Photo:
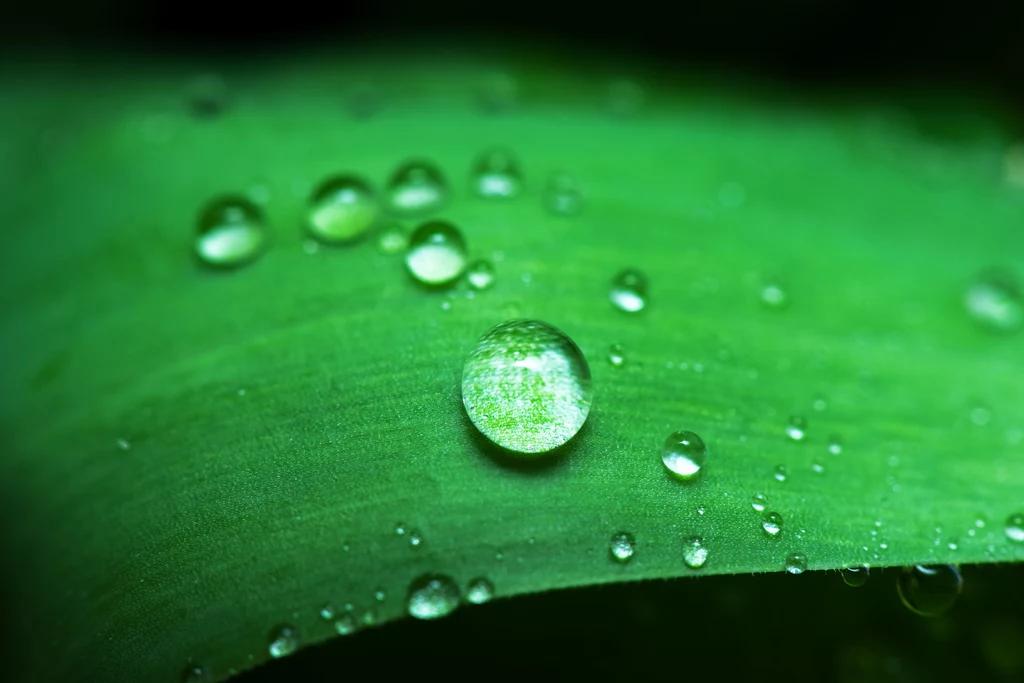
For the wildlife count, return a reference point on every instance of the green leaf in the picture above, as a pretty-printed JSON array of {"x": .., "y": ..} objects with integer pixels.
[{"x": 195, "y": 457}]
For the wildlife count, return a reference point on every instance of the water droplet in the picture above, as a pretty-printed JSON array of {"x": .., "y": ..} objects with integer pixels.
[
  {"x": 629, "y": 291},
  {"x": 392, "y": 240},
  {"x": 345, "y": 625},
  {"x": 499, "y": 556},
  {"x": 380, "y": 595},
  {"x": 820, "y": 403},
  {"x": 207, "y": 96},
  {"x": 415, "y": 539},
  {"x": 230, "y": 232},
  {"x": 622, "y": 547},
  {"x": 759, "y": 502},
  {"x": 496, "y": 174},
  {"x": 796, "y": 563},
  {"x": 437, "y": 253},
  {"x": 773, "y": 296},
  {"x": 929, "y": 590},
  {"x": 781, "y": 473},
  {"x": 284, "y": 640},
  {"x": 480, "y": 274},
  {"x": 341, "y": 209},
  {"x": 368, "y": 618},
  {"x": 624, "y": 98},
  {"x": 695, "y": 553},
  {"x": 772, "y": 523},
  {"x": 400, "y": 529},
  {"x": 797, "y": 428},
  {"x": 952, "y": 545},
  {"x": 856, "y": 576},
  {"x": 701, "y": 510},
  {"x": 835, "y": 445},
  {"x": 526, "y": 386},
  {"x": 562, "y": 196},
  {"x": 617, "y": 355},
  {"x": 417, "y": 188},
  {"x": 123, "y": 445},
  {"x": 432, "y": 596},
  {"x": 327, "y": 612},
  {"x": 683, "y": 454},
  {"x": 194, "y": 673},
  {"x": 479, "y": 591},
  {"x": 817, "y": 467},
  {"x": 994, "y": 300},
  {"x": 1015, "y": 528}
]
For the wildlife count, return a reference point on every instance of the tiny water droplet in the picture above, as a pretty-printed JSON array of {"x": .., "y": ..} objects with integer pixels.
[
  {"x": 479, "y": 591},
  {"x": 345, "y": 625},
  {"x": 929, "y": 590},
  {"x": 194, "y": 673},
  {"x": 432, "y": 596},
  {"x": 683, "y": 454},
  {"x": 123, "y": 444},
  {"x": 230, "y": 232},
  {"x": 772, "y": 523},
  {"x": 629, "y": 291},
  {"x": 480, "y": 275},
  {"x": 796, "y": 429},
  {"x": 817, "y": 468},
  {"x": 327, "y": 612},
  {"x": 856, "y": 576},
  {"x": 562, "y": 196},
  {"x": 952, "y": 545},
  {"x": 437, "y": 253},
  {"x": 526, "y": 386},
  {"x": 994, "y": 301},
  {"x": 1015, "y": 528},
  {"x": 695, "y": 553},
  {"x": 415, "y": 539},
  {"x": 416, "y": 188},
  {"x": 780, "y": 473},
  {"x": 499, "y": 556},
  {"x": 820, "y": 403},
  {"x": 400, "y": 529},
  {"x": 759, "y": 502},
  {"x": 368, "y": 618},
  {"x": 700, "y": 510},
  {"x": 380, "y": 595},
  {"x": 392, "y": 240},
  {"x": 773, "y": 296},
  {"x": 496, "y": 174},
  {"x": 796, "y": 563},
  {"x": 835, "y": 445},
  {"x": 284, "y": 640},
  {"x": 622, "y": 547},
  {"x": 617, "y": 355},
  {"x": 342, "y": 209}
]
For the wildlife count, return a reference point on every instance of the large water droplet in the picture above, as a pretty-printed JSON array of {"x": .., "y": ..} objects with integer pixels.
[
  {"x": 856, "y": 576},
  {"x": 629, "y": 291},
  {"x": 622, "y": 546},
  {"x": 496, "y": 174},
  {"x": 437, "y": 253},
  {"x": 416, "y": 188},
  {"x": 480, "y": 275},
  {"x": 432, "y": 596},
  {"x": 526, "y": 386},
  {"x": 994, "y": 300},
  {"x": 341, "y": 209},
  {"x": 929, "y": 590},
  {"x": 695, "y": 553},
  {"x": 231, "y": 232},
  {"x": 796, "y": 563},
  {"x": 772, "y": 523},
  {"x": 562, "y": 196},
  {"x": 683, "y": 454},
  {"x": 796, "y": 429},
  {"x": 284, "y": 640},
  {"x": 479, "y": 591},
  {"x": 759, "y": 502},
  {"x": 1015, "y": 528}
]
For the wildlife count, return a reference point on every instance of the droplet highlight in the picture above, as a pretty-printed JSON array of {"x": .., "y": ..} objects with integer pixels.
[
  {"x": 496, "y": 175},
  {"x": 480, "y": 275},
  {"x": 796, "y": 429},
  {"x": 284, "y": 640},
  {"x": 617, "y": 355},
  {"x": 479, "y": 591},
  {"x": 1015, "y": 528}
]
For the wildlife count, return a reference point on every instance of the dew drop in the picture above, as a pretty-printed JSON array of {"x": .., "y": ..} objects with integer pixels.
[
  {"x": 480, "y": 275},
  {"x": 759, "y": 502},
  {"x": 695, "y": 553},
  {"x": 617, "y": 355},
  {"x": 496, "y": 174},
  {"x": 437, "y": 253},
  {"x": 835, "y": 445},
  {"x": 817, "y": 467},
  {"x": 629, "y": 291},
  {"x": 230, "y": 232},
  {"x": 479, "y": 591},
  {"x": 415, "y": 539},
  {"x": 369, "y": 618},
  {"x": 194, "y": 673},
  {"x": 622, "y": 546},
  {"x": 345, "y": 625},
  {"x": 432, "y": 596},
  {"x": 342, "y": 209},
  {"x": 562, "y": 196},
  {"x": 526, "y": 386},
  {"x": 994, "y": 301},
  {"x": 392, "y": 240},
  {"x": 284, "y": 640},
  {"x": 416, "y": 188},
  {"x": 123, "y": 444},
  {"x": 684, "y": 454},
  {"x": 796, "y": 563},
  {"x": 773, "y": 296},
  {"x": 327, "y": 612},
  {"x": 780, "y": 473},
  {"x": 380, "y": 595},
  {"x": 929, "y": 590},
  {"x": 400, "y": 529},
  {"x": 772, "y": 523},
  {"x": 856, "y": 576},
  {"x": 1015, "y": 528},
  {"x": 796, "y": 429}
]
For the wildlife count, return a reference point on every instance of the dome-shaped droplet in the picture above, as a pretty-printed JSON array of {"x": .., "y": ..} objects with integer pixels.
[
  {"x": 526, "y": 386},
  {"x": 392, "y": 239},
  {"x": 327, "y": 612},
  {"x": 1015, "y": 528},
  {"x": 774, "y": 296},
  {"x": 683, "y": 453},
  {"x": 796, "y": 429},
  {"x": 416, "y": 188},
  {"x": 929, "y": 590},
  {"x": 496, "y": 174},
  {"x": 629, "y": 291},
  {"x": 562, "y": 195},
  {"x": 780, "y": 473},
  {"x": 230, "y": 232},
  {"x": 995, "y": 301},
  {"x": 617, "y": 355},
  {"x": 622, "y": 546},
  {"x": 345, "y": 625},
  {"x": 796, "y": 563},
  {"x": 695, "y": 552},
  {"x": 432, "y": 596},
  {"x": 772, "y": 523},
  {"x": 480, "y": 275},
  {"x": 437, "y": 253},
  {"x": 194, "y": 673},
  {"x": 759, "y": 502},
  {"x": 284, "y": 640},
  {"x": 856, "y": 576},
  {"x": 342, "y": 209},
  {"x": 479, "y": 591}
]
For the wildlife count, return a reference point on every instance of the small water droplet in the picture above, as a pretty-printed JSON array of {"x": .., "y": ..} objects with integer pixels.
[
  {"x": 772, "y": 523},
  {"x": 480, "y": 275},
  {"x": 496, "y": 174},
  {"x": 432, "y": 596},
  {"x": 284, "y": 640},
  {"x": 1015, "y": 528},
  {"x": 499, "y": 556},
  {"x": 400, "y": 529},
  {"x": 929, "y": 590},
  {"x": 194, "y": 673},
  {"x": 780, "y": 473},
  {"x": 345, "y": 625},
  {"x": 415, "y": 539},
  {"x": 994, "y": 301},
  {"x": 796, "y": 563},
  {"x": 526, "y": 386},
  {"x": 437, "y": 253},
  {"x": 230, "y": 232},
  {"x": 380, "y": 595},
  {"x": 416, "y": 188},
  {"x": 759, "y": 502},
  {"x": 327, "y": 612},
  {"x": 629, "y": 291},
  {"x": 123, "y": 444},
  {"x": 342, "y": 209},
  {"x": 952, "y": 545},
  {"x": 479, "y": 591},
  {"x": 820, "y": 403},
  {"x": 817, "y": 468},
  {"x": 392, "y": 240},
  {"x": 835, "y": 445},
  {"x": 856, "y": 576},
  {"x": 695, "y": 553},
  {"x": 684, "y": 454},
  {"x": 774, "y": 296},
  {"x": 369, "y": 618},
  {"x": 700, "y": 510},
  {"x": 617, "y": 355},
  {"x": 796, "y": 429},
  {"x": 562, "y": 196},
  {"x": 622, "y": 547}
]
